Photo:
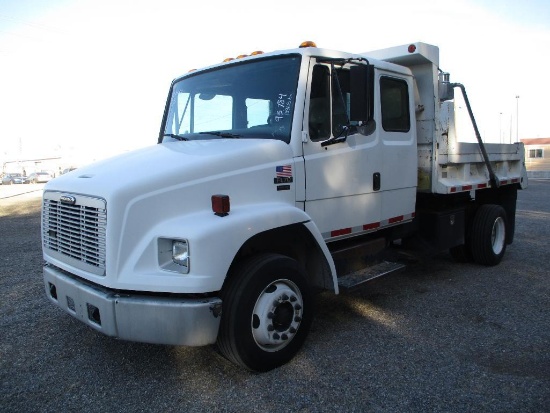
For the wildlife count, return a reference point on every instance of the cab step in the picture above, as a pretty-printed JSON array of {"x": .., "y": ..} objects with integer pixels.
[{"x": 363, "y": 275}]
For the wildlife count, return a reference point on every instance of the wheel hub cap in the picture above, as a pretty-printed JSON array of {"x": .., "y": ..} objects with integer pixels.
[
  {"x": 497, "y": 235},
  {"x": 277, "y": 315}
]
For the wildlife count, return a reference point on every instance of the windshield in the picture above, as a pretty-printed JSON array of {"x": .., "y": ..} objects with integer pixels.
[{"x": 253, "y": 99}]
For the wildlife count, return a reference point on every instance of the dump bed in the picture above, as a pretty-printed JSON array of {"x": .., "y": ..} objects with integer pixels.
[{"x": 446, "y": 164}]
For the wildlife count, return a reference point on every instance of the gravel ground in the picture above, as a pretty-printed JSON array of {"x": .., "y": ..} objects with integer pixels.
[{"x": 438, "y": 337}]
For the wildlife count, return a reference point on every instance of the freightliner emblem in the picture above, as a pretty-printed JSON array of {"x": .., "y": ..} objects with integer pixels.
[{"x": 67, "y": 200}]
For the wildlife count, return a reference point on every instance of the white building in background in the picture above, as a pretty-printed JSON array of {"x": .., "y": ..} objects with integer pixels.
[{"x": 537, "y": 157}]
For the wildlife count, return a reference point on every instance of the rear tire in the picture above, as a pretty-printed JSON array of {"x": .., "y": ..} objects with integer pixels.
[
  {"x": 488, "y": 238},
  {"x": 266, "y": 312}
]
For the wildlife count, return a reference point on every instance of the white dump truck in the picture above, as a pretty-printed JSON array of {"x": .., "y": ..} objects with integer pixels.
[{"x": 275, "y": 176}]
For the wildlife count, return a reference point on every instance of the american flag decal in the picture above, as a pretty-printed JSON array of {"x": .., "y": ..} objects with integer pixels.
[{"x": 284, "y": 171}]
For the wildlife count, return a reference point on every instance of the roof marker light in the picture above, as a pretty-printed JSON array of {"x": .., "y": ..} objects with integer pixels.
[
  {"x": 308, "y": 43},
  {"x": 228, "y": 59},
  {"x": 412, "y": 48},
  {"x": 241, "y": 56},
  {"x": 257, "y": 52}
]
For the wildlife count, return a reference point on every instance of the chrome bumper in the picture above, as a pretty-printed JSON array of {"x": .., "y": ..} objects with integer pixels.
[{"x": 133, "y": 317}]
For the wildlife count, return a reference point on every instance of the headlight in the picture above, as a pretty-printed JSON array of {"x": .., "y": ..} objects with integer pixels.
[
  {"x": 180, "y": 253},
  {"x": 173, "y": 255}
]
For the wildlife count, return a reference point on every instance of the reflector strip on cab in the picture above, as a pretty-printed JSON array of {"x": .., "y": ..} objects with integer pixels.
[
  {"x": 370, "y": 227},
  {"x": 338, "y": 232}
]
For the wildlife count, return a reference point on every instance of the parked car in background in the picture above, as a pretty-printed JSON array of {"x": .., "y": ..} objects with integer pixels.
[
  {"x": 13, "y": 178},
  {"x": 38, "y": 177},
  {"x": 67, "y": 170}
]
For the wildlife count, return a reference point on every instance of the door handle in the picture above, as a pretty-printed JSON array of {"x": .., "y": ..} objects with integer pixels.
[{"x": 376, "y": 181}]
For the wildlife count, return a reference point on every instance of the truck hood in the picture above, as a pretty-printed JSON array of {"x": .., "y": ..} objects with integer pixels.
[
  {"x": 169, "y": 165},
  {"x": 165, "y": 192}
]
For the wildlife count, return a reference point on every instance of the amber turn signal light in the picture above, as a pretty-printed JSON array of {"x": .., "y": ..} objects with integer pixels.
[{"x": 220, "y": 205}]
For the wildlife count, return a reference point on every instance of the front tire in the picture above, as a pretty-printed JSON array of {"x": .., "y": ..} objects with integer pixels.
[
  {"x": 488, "y": 238},
  {"x": 266, "y": 312}
]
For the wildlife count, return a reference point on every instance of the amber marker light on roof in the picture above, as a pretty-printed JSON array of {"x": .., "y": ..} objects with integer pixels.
[
  {"x": 228, "y": 59},
  {"x": 241, "y": 56},
  {"x": 257, "y": 52},
  {"x": 308, "y": 43}
]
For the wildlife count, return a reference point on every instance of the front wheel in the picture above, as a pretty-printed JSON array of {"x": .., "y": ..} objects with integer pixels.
[
  {"x": 266, "y": 312},
  {"x": 488, "y": 238}
]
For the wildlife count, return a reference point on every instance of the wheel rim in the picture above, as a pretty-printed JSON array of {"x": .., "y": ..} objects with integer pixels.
[
  {"x": 277, "y": 315},
  {"x": 498, "y": 235}
]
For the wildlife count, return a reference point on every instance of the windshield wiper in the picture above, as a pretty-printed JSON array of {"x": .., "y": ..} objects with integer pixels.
[
  {"x": 222, "y": 134},
  {"x": 176, "y": 137}
]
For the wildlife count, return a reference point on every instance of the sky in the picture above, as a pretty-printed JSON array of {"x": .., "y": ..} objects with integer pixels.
[{"x": 89, "y": 78}]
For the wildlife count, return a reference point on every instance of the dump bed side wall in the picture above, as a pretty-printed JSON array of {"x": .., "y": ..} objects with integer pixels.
[
  {"x": 459, "y": 166},
  {"x": 446, "y": 165}
]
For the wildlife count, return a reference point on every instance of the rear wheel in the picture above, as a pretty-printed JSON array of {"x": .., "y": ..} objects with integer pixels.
[
  {"x": 266, "y": 313},
  {"x": 488, "y": 238}
]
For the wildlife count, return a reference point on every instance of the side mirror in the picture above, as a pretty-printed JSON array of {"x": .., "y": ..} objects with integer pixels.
[{"x": 362, "y": 93}]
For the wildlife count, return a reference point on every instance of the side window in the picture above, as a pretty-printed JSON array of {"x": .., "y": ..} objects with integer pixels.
[
  {"x": 394, "y": 101},
  {"x": 179, "y": 119},
  {"x": 319, "y": 104},
  {"x": 257, "y": 111},
  {"x": 535, "y": 153},
  {"x": 213, "y": 112},
  {"x": 200, "y": 113}
]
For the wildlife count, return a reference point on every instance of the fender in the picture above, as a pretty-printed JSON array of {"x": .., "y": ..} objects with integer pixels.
[{"x": 213, "y": 244}]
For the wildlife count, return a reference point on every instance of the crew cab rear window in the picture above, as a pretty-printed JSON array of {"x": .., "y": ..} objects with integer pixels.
[{"x": 394, "y": 101}]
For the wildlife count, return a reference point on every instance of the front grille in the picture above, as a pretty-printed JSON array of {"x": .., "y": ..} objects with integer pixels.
[{"x": 75, "y": 230}]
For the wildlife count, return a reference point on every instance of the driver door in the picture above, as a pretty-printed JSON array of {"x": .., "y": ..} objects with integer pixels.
[{"x": 342, "y": 188}]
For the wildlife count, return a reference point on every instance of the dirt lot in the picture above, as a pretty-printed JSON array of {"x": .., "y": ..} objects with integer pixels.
[{"x": 438, "y": 337}]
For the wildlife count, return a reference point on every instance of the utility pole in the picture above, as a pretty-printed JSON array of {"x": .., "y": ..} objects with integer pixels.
[
  {"x": 500, "y": 128},
  {"x": 517, "y": 118},
  {"x": 510, "y": 137},
  {"x": 20, "y": 154}
]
